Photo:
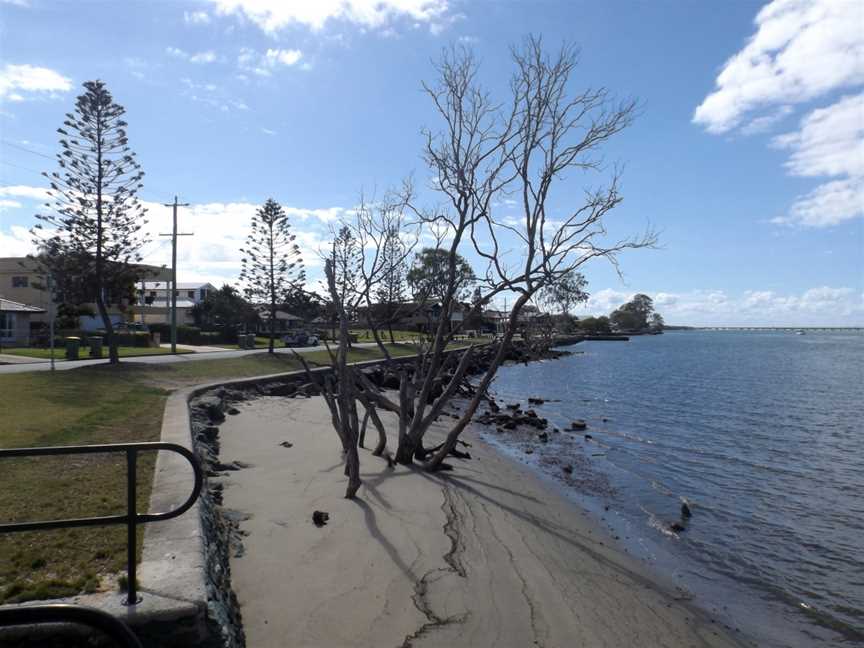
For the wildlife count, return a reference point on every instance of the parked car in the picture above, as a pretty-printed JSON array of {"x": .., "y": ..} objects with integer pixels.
[{"x": 300, "y": 339}]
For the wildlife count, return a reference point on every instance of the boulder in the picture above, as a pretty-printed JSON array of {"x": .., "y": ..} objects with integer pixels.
[{"x": 578, "y": 424}]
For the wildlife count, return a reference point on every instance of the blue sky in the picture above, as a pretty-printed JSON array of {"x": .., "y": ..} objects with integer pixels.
[{"x": 747, "y": 154}]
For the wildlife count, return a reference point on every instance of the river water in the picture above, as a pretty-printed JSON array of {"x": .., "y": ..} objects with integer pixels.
[{"x": 762, "y": 433}]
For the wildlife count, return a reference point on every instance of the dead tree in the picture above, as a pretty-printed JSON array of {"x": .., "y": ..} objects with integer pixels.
[{"x": 548, "y": 132}]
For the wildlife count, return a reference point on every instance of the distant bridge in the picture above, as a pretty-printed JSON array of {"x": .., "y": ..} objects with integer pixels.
[{"x": 837, "y": 329}]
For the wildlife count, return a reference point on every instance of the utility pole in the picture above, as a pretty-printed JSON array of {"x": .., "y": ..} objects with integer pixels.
[
  {"x": 51, "y": 315},
  {"x": 174, "y": 236}
]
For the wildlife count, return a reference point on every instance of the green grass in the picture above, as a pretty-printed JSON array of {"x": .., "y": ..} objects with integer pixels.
[
  {"x": 84, "y": 354},
  {"x": 88, "y": 405},
  {"x": 365, "y": 335},
  {"x": 260, "y": 343}
]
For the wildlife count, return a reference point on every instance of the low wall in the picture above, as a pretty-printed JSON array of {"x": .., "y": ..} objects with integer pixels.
[{"x": 184, "y": 575}]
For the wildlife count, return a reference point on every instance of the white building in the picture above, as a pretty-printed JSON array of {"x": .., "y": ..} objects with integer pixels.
[{"x": 154, "y": 301}]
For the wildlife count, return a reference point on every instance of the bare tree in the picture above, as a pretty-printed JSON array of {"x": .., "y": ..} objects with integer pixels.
[
  {"x": 487, "y": 151},
  {"x": 362, "y": 253},
  {"x": 547, "y": 132}
]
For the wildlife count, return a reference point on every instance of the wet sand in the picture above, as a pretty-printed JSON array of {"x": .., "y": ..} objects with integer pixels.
[{"x": 486, "y": 555}]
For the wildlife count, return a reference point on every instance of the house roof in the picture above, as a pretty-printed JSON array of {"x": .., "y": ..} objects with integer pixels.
[
  {"x": 9, "y": 306},
  {"x": 163, "y": 285},
  {"x": 264, "y": 310}
]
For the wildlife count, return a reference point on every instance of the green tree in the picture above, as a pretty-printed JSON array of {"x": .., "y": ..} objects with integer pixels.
[
  {"x": 565, "y": 292},
  {"x": 634, "y": 314},
  {"x": 226, "y": 310},
  {"x": 390, "y": 293},
  {"x": 96, "y": 223},
  {"x": 272, "y": 265},
  {"x": 428, "y": 276}
]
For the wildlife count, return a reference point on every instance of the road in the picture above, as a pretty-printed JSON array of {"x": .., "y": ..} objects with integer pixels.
[{"x": 65, "y": 365}]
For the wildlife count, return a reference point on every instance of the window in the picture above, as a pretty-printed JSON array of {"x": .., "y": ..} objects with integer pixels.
[
  {"x": 20, "y": 282},
  {"x": 190, "y": 294},
  {"x": 203, "y": 292},
  {"x": 7, "y": 325}
]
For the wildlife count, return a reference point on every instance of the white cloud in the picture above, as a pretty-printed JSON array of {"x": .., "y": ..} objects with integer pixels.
[
  {"x": 17, "y": 242},
  {"x": 196, "y": 17},
  {"x": 199, "y": 57},
  {"x": 220, "y": 230},
  {"x": 830, "y": 141},
  {"x": 828, "y": 204},
  {"x": 19, "y": 82},
  {"x": 274, "y": 15},
  {"x": 267, "y": 131},
  {"x": 176, "y": 52},
  {"x": 203, "y": 57},
  {"x": 802, "y": 50},
  {"x": 9, "y": 204},
  {"x": 265, "y": 64},
  {"x": 24, "y": 191},
  {"x": 819, "y": 306},
  {"x": 16, "y": 3}
]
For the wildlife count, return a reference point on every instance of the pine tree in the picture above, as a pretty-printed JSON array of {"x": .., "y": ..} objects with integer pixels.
[
  {"x": 391, "y": 290},
  {"x": 272, "y": 266},
  {"x": 93, "y": 235}
]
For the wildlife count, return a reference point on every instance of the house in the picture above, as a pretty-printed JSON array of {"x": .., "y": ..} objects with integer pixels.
[
  {"x": 15, "y": 322},
  {"x": 414, "y": 316},
  {"x": 154, "y": 301},
  {"x": 22, "y": 281},
  {"x": 285, "y": 321}
]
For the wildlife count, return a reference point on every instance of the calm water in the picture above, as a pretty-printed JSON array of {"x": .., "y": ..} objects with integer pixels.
[{"x": 761, "y": 432}]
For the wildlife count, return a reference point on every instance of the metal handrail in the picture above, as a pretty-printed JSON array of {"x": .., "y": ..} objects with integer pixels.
[
  {"x": 132, "y": 518},
  {"x": 65, "y": 613}
]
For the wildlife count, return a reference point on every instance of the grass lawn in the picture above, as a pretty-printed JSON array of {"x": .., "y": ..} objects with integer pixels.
[
  {"x": 365, "y": 335},
  {"x": 88, "y": 405},
  {"x": 260, "y": 343},
  {"x": 60, "y": 353}
]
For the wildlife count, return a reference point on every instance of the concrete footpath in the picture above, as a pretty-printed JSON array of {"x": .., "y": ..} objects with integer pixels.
[{"x": 38, "y": 364}]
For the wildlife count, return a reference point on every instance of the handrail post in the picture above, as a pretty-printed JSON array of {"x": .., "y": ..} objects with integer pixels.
[{"x": 132, "y": 597}]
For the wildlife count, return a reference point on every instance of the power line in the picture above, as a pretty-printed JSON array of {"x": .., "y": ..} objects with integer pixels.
[{"x": 24, "y": 148}]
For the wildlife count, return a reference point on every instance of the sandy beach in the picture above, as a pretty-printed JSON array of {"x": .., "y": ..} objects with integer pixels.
[{"x": 487, "y": 555}]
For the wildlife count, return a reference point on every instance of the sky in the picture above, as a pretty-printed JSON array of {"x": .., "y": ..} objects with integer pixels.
[{"x": 747, "y": 155}]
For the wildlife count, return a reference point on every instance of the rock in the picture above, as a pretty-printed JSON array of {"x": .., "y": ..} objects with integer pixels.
[
  {"x": 514, "y": 406},
  {"x": 499, "y": 430},
  {"x": 233, "y": 411},
  {"x": 529, "y": 451},
  {"x": 543, "y": 437},
  {"x": 578, "y": 424},
  {"x": 390, "y": 381},
  {"x": 531, "y": 413},
  {"x": 212, "y": 407},
  {"x": 281, "y": 389},
  {"x": 286, "y": 444},
  {"x": 509, "y": 425},
  {"x": 320, "y": 518},
  {"x": 568, "y": 469},
  {"x": 685, "y": 511},
  {"x": 677, "y": 528},
  {"x": 588, "y": 437},
  {"x": 605, "y": 420},
  {"x": 535, "y": 401}
]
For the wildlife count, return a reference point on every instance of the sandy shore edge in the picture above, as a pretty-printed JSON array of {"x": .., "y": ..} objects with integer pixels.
[{"x": 487, "y": 555}]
